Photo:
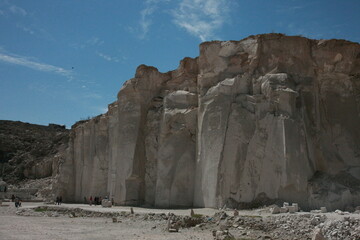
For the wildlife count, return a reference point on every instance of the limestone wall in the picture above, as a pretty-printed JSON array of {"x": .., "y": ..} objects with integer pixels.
[{"x": 248, "y": 122}]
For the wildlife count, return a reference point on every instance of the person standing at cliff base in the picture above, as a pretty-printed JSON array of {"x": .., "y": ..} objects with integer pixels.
[{"x": 16, "y": 202}]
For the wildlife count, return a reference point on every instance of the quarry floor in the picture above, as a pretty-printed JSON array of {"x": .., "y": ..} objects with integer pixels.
[
  {"x": 14, "y": 226},
  {"x": 17, "y": 227}
]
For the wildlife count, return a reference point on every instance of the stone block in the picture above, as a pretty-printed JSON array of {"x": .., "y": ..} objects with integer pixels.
[
  {"x": 291, "y": 209},
  {"x": 323, "y": 210},
  {"x": 284, "y": 210},
  {"x": 275, "y": 210},
  {"x": 296, "y": 206},
  {"x": 106, "y": 203}
]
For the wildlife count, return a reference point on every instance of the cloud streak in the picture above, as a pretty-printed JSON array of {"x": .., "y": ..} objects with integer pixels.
[
  {"x": 201, "y": 18},
  {"x": 146, "y": 16},
  {"x": 25, "y": 62},
  {"x": 18, "y": 10},
  {"x": 145, "y": 20},
  {"x": 91, "y": 42},
  {"x": 107, "y": 57}
]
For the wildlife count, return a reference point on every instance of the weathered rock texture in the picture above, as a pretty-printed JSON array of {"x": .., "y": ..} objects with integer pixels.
[
  {"x": 270, "y": 117},
  {"x": 30, "y": 157},
  {"x": 29, "y": 151}
]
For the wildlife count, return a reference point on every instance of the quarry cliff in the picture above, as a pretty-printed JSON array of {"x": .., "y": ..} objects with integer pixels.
[{"x": 265, "y": 119}]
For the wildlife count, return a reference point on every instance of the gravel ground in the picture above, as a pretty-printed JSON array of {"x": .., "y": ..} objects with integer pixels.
[
  {"x": 13, "y": 226},
  {"x": 79, "y": 221}
]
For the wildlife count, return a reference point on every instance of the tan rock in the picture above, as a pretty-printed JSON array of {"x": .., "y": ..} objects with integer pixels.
[
  {"x": 317, "y": 235},
  {"x": 268, "y": 117},
  {"x": 275, "y": 210}
]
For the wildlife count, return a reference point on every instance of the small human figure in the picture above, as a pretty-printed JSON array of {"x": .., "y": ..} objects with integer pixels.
[
  {"x": 112, "y": 201},
  {"x": 16, "y": 202},
  {"x": 12, "y": 198},
  {"x": 60, "y": 200},
  {"x": 90, "y": 200},
  {"x": 84, "y": 200},
  {"x": 57, "y": 200},
  {"x": 5, "y": 189},
  {"x": 19, "y": 204}
]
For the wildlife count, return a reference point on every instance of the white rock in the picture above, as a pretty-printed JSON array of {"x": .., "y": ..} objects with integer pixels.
[
  {"x": 317, "y": 235},
  {"x": 247, "y": 120},
  {"x": 292, "y": 209},
  {"x": 275, "y": 210},
  {"x": 284, "y": 210},
  {"x": 296, "y": 206}
]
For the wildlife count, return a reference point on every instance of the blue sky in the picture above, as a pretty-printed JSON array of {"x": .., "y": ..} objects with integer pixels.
[{"x": 65, "y": 60}]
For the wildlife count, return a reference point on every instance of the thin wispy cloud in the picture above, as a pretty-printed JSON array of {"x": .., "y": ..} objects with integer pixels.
[
  {"x": 24, "y": 20},
  {"x": 146, "y": 21},
  {"x": 11, "y": 9},
  {"x": 94, "y": 41},
  {"x": 201, "y": 18},
  {"x": 91, "y": 42},
  {"x": 26, "y": 29},
  {"x": 25, "y": 62},
  {"x": 17, "y": 10},
  {"x": 107, "y": 57},
  {"x": 292, "y": 7}
]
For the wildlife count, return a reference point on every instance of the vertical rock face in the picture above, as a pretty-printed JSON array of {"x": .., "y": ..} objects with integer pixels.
[{"x": 248, "y": 122}]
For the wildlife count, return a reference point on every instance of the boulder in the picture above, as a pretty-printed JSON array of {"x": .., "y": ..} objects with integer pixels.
[
  {"x": 317, "y": 235},
  {"x": 284, "y": 209},
  {"x": 275, "y": 210},
  {"x": 106, "y": 203}
]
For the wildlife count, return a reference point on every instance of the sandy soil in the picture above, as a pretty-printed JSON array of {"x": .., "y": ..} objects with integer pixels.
[
  {"x": 16, "y": 227},
  {"x": 27, "y": 224}
]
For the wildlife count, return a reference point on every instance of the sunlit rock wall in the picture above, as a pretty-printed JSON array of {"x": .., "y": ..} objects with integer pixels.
[{"x": 268, "y": 118}]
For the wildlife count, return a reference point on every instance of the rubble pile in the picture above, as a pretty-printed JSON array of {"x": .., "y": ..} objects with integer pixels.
[{"x": 346, "y": 228}]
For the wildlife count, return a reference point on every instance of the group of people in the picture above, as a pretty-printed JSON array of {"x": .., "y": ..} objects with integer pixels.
[
  {"x": 96, "y": 200},
  {"x": 58, "y": 200},
  {"x": 16, "y": 200}
]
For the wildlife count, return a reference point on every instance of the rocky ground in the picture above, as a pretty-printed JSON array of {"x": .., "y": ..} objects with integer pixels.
[
  {"x": 76, "y": 221},
  {"x": 30, "y": 158},
  {"x": 27, "y": 150}
]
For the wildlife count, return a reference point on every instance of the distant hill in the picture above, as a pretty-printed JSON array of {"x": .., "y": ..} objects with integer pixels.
[{"x": 27, "y": 150}]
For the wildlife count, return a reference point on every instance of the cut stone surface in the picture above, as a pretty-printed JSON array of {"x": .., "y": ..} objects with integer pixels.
[{"x": 251, "y": 122}]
